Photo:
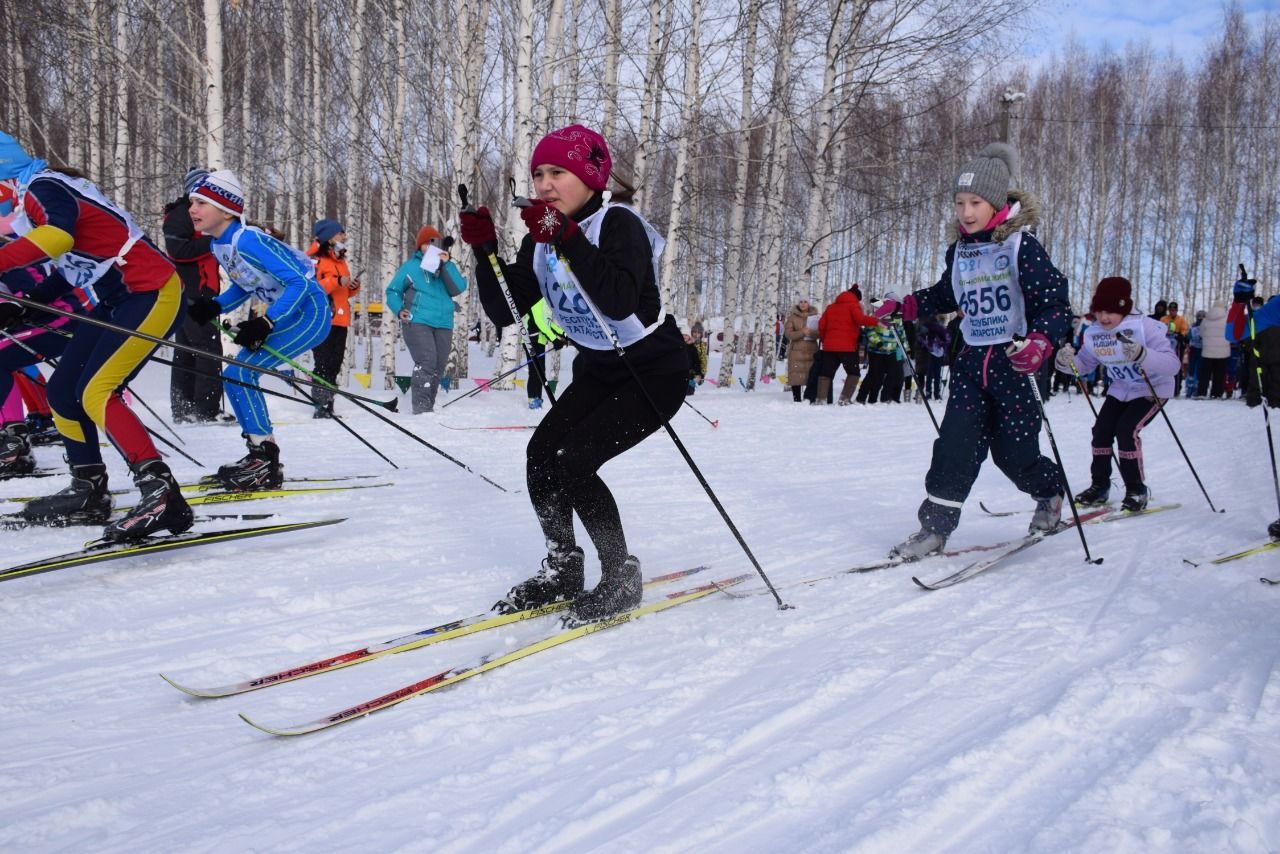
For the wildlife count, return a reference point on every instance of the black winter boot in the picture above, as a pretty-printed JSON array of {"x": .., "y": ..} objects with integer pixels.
[
  {"x": 15, "y": 452},
  {"x": 1095, "y": 495},
  {"x": 259, "y": 469},
  {"x": 42, "y": 430},
  {"x": 1273, "y": 530},
  {"x": 1135, "y": 500},
  {"x": 161, "y": 506},
  {"x": 621, "y": 588},
  {"x": 559, "y": 580},
  {"x": 85, "y": 502}
]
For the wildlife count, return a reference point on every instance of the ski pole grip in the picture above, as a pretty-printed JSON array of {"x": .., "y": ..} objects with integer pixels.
[{"x": 517, "y": 200}]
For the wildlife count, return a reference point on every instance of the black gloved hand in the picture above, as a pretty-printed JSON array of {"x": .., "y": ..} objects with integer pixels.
[
  {"x": 11, "y": 313},
  {"x": 253, "y": 332},
  {"x": 203, "y": 308}
]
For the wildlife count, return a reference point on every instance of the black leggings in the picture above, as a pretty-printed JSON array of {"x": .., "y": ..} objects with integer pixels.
[
  {"x": 884, "y": 378},
  {"x": 329, "y": 356},
  {"x": 1120, "y": 421},
  {"x": 591, "y": 423}
]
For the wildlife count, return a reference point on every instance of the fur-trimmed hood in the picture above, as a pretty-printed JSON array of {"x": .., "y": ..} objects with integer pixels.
[{"x": 1026, "y": 216}]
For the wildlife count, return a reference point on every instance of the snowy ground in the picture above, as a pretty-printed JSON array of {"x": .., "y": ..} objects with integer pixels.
[{"x": 1046, "y": 706}]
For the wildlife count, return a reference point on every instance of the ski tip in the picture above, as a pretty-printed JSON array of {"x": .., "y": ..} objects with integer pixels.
[
  {"x": 268, "y": 730},
  {"x": 920, "y": 583},
  {"x": 183, "y": 688}
]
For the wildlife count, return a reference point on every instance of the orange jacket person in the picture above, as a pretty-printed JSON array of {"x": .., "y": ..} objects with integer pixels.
[{"x": 330, "y": 254}]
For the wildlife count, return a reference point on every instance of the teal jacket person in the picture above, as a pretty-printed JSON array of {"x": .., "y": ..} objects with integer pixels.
[{"x": 431, "y": 299}]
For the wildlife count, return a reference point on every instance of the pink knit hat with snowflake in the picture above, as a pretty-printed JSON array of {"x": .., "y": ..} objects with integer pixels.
[{"x": 578, "y": 149}]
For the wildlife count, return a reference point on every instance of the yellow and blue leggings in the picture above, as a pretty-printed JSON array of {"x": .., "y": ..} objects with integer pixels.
[{"x": 84, "y": 391}]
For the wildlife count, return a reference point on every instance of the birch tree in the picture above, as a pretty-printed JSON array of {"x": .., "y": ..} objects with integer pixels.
[
  {"x": 393, "y": 204},
  {"x": 737, "y": 216},
  {"x": 773, "y": 159},
  {"x": 523, "y": 125},
  {"x": 678, "y": 201},
  {"x": 651, "y": 104},
  {"x": 214, "y": 122}
]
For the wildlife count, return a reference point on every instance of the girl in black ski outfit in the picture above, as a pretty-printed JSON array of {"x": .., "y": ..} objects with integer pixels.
[{"x": 595, "y": 260}]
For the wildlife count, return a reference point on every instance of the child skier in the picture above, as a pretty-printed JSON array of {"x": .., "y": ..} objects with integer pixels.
[
  {"x": 94, "y": 244},
  {"x": 595, "y": 260},
  {"x": 1000, "y": 276},
  {"x": 1127, "y": 345},
  {"x": 296, "y": 320}
]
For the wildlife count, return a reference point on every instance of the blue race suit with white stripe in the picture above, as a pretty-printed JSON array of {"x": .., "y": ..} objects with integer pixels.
[{"x": 261, "y": 266}]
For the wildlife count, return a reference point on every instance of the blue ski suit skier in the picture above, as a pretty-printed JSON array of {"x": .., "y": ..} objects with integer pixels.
[
  {"x": 296, "y": 320},
  {"x": 594, "y": 261},
  {"x": 1014, "y": 302}
]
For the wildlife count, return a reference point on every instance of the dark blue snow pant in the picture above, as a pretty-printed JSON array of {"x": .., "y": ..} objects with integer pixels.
[{"x": 990, "y": 406}]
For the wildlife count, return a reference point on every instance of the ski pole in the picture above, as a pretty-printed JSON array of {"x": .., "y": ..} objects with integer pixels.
[
  {"x": 1124, "y": 336},
  {"x": 502, "y": 376},
  {"x": 54, "y": 364},
  {"x": 359, "y": 401},
  {"x": 345, "y": 426},
  {"x": 1053, "y": 443},
  {"x": 1092, "y": 408},
  {"x": 311, "y": 399},
  {"x": 715, "y": 423},
  {"x": 911, "y": 372},
  {"x": 1160, "y": 405},
  {"x": 1266, "y": 416},
  {"x": 62, "y": 333},
  {"x": 491, "y": 252},
  {"x": 666, "y": 423},
  {"x": 133, "y": 333}
]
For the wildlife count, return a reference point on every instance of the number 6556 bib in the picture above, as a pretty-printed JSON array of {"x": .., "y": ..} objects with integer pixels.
[{"x": 984, "y": 278}]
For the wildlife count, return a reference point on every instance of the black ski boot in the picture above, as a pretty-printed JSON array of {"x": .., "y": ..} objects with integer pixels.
[
  {"x": 85, "y": 502},
  {"x": 620, "y": 589},
  {"x": 258, "y": 469},
  {"x": 161, "y": 506},
  {"x": 1273, "y": 530},
  {"x": 1135, "y": 500},
  {"x": 42, "y": 430},
  {"x": 16, "y": 458},
  {"x": 559, "y": 580},
  {"x": 1094, "y": 496}
]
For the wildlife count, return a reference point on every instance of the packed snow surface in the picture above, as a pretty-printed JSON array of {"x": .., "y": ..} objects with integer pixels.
[{"x": 1047, "y": 705}]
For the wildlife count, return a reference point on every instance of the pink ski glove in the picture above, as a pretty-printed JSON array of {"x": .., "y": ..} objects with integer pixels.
[
  {"x": 884, "y": 309},
  {"x": 1029, "y": 354},
  {"x": 910, "y": 311}
]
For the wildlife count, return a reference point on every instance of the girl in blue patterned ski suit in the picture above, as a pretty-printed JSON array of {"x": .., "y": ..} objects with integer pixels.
[{"x": 1014, "y": 303}]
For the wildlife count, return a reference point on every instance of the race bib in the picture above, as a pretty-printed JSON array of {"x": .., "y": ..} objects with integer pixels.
[
  {"x": 1106, "y": 347},
  {"x": 984, "y": 279}
]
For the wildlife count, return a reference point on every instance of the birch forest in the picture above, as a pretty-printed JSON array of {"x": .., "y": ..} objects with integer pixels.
[{"x": 785, "y": 148}]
